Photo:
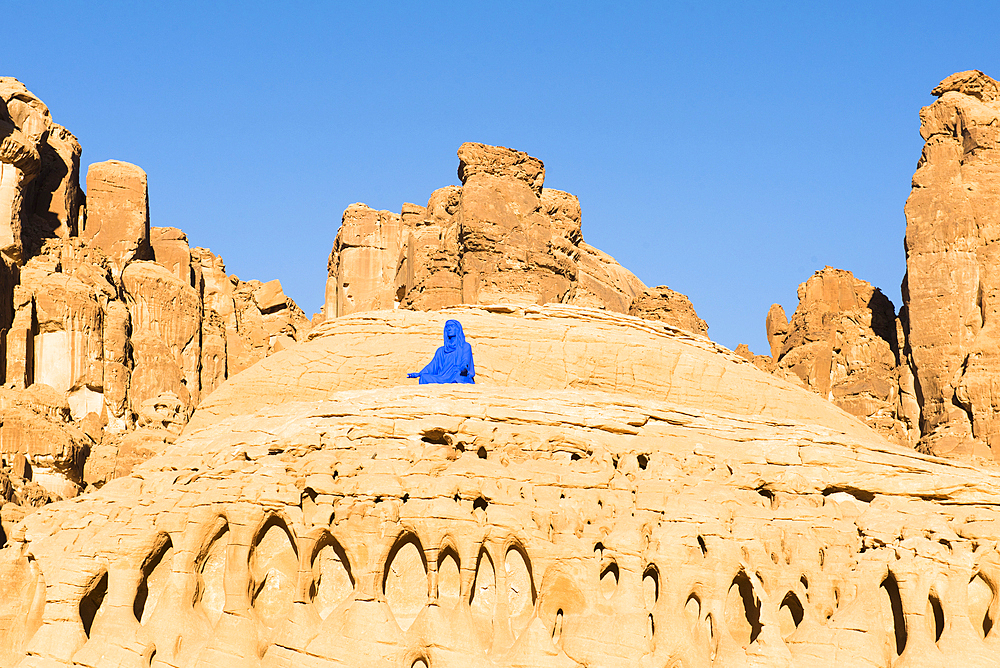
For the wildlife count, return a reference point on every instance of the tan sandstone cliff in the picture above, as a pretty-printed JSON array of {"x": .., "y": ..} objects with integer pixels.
[
  {"x": 500, "y": 237},
  {"x": 111, "y": 330},
  {"x": 952, "y": 243},
  {"x": 929, "y": 379}
]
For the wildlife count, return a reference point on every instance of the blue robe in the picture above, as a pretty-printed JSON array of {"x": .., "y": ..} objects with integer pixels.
[{"x": 452, "y": 363}]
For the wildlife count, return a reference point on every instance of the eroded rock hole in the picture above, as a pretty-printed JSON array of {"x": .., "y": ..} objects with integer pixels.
[
  {"x": 333, "y": 581},
  {"x": 935, "y": 613},
  {"x": 155, "y": 575},
  {"x": 520, "y": 588},
  {"x": 404, "y": 582},
  {"x": 307, "y": 501},
  {"x": 650, "y": 587},
  {"x": 436, "y": 436},
  {"x": 743, "y": 610},
  {"x": 980, "y": 599},
  {"x": 274, "y": 564},
  {"x": 557, "y": 626},
  {"x": 861, "y": 495},
  {"x": 483, "y": 598},
  {"x": 643, "y": 461},
  {"x": 449, "y": 576},
  {"x": 609, "y": 579},
  {"x": 90, "y": 604},
  {"x": 211, "y": 575},
  {"x": 892, "y": 611},
  {"x": 479, "y": 504},
  {"x": 651, "y": 628},
  {"x": 692, "y": 610},
  {"x": 481, "y": 452},
  {"x": 420, "y": 663},
  {"x": 790, "y": 614},
  {"x": 702, "y": 546}
]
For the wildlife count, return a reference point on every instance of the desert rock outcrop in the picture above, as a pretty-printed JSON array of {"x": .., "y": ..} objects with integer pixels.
[
  {"x": 571, "y": 509},
  {"x": 499, "y": 238},
  {"x": 614, "y": 490},
  {"x": 40, "y": 194},
  {"x": 662, "y": 303},
  {"x": 123, "y": 327},
  {"x": 951, "y": 286},
  {"x": 842, "y": 343}
]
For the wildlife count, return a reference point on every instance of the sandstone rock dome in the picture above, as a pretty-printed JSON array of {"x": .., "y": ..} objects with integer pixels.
[{"x": 612, "y": 491}]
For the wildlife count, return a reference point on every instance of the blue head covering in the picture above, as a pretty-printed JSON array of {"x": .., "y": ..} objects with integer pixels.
[{"x": 452, "y": 362}]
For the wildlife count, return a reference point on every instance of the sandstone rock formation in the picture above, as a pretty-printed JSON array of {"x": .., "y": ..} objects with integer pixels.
[
  {"x": 40, "y": 194},
  {"x": 591, "y": 502},
  {"x": 662, "y": 303},
  {"x": 111, "y": 331},
  {"x": 499, "y": 238},
  {"x": 951, "y": 285},
  {"x": 614, "y": 490},
  {"x": 932, "y": 383},
  {"x": 842, "y": 343}
]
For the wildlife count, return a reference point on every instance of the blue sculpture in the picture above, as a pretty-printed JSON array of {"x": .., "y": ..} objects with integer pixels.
[{"x": 452, "y": 362}]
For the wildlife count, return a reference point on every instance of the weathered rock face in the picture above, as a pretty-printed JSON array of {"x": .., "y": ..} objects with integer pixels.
[
  {"x": 319, "y": 512},
  {"x": 666, "y": 305},
  {"x": 952, "y": 255},
  {"x": 117, "y": 220},
  {"x": 499, "y": 238},
  {"x": 842, "y": 344},
  {"x": 40, "y": 195},
  {"x": 365, "y": 256},
  {"x": 126, "y": 325}
]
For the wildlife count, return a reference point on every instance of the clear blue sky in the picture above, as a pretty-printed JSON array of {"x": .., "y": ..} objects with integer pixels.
[{"x": 725, "y": 149}]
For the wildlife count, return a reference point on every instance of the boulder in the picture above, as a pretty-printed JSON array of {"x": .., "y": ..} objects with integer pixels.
[{"x": 270, "y": 297}]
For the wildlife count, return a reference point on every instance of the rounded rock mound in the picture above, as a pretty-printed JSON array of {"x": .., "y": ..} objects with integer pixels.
[{"x": 610, "y": 491}]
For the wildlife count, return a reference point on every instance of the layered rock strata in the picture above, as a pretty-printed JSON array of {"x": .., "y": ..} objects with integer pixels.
[
  {"x": 499, "y": 238},
  {"x": 842, "y": 343},
  {"x": 951, "y": 285},
  {"x": 123, "y": 328},
  {"x": 571, "y": 509}
]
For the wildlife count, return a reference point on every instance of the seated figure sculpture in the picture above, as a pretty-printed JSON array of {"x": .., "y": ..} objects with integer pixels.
[{"x": 452, "y": 362}]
